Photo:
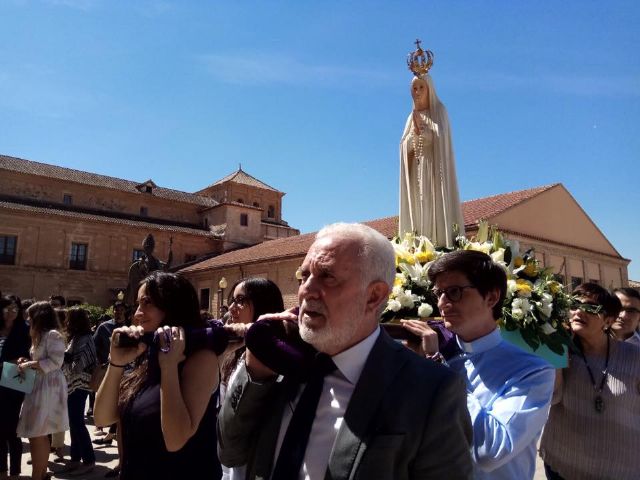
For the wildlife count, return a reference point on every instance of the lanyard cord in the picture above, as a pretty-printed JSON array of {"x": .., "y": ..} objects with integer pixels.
[{"x": 604, "y": 373}]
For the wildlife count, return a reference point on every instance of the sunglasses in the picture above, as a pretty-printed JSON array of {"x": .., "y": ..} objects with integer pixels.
[
  {"x": 592, "y": 308},
  {"x": 453, "y": 293},
  {"x": 240, "y": 301}
]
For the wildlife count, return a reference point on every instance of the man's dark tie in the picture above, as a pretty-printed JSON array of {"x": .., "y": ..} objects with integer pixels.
[{"x": 296, "y": 438}]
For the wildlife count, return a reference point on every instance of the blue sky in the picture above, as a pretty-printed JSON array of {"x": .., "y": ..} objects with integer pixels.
[{"x": 311, "y": 97}]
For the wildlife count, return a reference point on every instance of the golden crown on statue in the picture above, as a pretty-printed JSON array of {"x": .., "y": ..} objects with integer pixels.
[{"x": 420, "y": 61}]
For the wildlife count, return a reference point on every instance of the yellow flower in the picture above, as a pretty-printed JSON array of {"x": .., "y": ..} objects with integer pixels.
[
  {"x": 399, "y": 280},
  {"x": 518, "y": 262},
  {"x": 424, "y": 257},
  {"x": 530, "y": 270},
  {"x": 554, "y": 287},
  {"x": 524, "y": 287}
]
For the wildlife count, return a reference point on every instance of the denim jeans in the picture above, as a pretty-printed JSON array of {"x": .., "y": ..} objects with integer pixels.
[{"x": 81, "y": 446}]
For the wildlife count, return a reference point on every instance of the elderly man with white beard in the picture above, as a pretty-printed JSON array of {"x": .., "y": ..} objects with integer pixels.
[{"x": 373, "y": 409}]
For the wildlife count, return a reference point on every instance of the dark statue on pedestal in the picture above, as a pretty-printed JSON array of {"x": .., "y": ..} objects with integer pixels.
[{"x": 143, "y": 266}]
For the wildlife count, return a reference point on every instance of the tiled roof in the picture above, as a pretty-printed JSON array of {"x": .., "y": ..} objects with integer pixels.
[
  {"x": 484, "y": 208},
  {"x": 240, "y": 176},
  {"x": 69, "y": 174},
  {"x": 473, "y": 211},
  {"x": 103, "y": 219}
]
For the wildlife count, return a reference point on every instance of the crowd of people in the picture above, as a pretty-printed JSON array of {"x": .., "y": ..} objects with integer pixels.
[{"x": 320, "y": 390}]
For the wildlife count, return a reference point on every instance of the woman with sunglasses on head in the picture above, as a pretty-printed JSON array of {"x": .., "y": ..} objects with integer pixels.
[
  {"x": 249, "y": 299},
  {"x": 14, "y": 344},
  {"x": 593, "y": 430},
  {"x": 166, "y": 404}
]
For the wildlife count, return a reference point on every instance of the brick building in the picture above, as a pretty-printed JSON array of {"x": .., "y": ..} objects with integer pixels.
[
  {"x": 546, "y": 218},
  {"x": 75, "y": 233}
]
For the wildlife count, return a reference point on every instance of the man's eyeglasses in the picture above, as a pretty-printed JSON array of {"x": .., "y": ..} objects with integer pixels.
[
  {"x": 592, "y": 308},
  {"x": 11, "y": 308},
  {"x": 630, "y": 310},
  {"x": 240, "y": 300},
  {"x": 453, "y": 293}
]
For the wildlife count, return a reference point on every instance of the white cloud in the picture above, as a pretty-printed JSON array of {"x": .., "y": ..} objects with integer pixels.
[{"x": 264, "y": 69}]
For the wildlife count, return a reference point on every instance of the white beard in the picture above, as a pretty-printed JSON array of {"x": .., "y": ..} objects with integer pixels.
[{"x": 330, "y": 337}]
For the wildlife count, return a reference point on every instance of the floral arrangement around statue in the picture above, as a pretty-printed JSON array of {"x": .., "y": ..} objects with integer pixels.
[{"x": 536, "y": 304}]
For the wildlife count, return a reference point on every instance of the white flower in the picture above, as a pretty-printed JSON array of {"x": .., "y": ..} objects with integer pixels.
[
  {"x": 520, "y": 307},
  {"x": 407, "y": 299},
  {"x": 512, "y": 288},
  {"x": 498, "y": 256},
  {"x": 425, "y": 310},
  {"x": 394, "y": 305},
  {"x": 417, "y": 273},
  {"x": 547, "y": 329},
  {"x": 397, "y": 291}
]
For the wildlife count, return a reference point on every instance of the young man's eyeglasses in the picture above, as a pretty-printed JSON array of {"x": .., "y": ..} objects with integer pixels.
[
  {"x": 586, "y": 307},
  {"x": 453, "y": 293},
  {"x": 240, "y": 300}
]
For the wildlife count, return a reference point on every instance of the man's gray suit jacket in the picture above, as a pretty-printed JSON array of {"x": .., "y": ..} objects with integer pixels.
[{"x": 407, "y": 419}]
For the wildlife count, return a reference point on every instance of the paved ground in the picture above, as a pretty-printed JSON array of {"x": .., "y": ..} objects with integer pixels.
[{"x": 107, "y": 459}]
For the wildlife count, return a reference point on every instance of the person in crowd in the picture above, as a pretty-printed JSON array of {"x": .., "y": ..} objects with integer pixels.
[
  {"x": 24, "y": 306},
  {"x": 593, "y": 431},
  {"x": 57, "y": 301},
  {"x": 44, "y": 410},
  {"x": 409, "y": 412},
  {"x": 80, "y": 360},
  {"x": 14, "y": 344},
  {"x": 508, "y": 390},
  {"x": 102, "y": 341},
  {"x": 56, "y": 439},
  {"x": 249, "y": 299},
  {"x": 626, "y": 325},
  {"x": 166, "y": 405}
]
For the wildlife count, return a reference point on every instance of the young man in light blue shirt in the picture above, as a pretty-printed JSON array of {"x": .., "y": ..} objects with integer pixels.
[{"x": 508, "y": 390}]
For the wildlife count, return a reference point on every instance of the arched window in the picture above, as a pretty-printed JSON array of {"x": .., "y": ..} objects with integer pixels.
[
  {"x": 240, "y": 200},
  {"x": 256, "y": 204},
  {"x": 271, "y": 211}
]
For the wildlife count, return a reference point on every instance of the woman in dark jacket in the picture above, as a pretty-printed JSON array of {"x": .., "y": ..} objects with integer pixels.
[{"x": 14, "y": 344}]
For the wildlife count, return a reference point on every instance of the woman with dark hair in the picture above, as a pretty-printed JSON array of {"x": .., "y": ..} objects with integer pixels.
[
  {"x": 44, "y": 410},
  {"x": 249, "y": 298},
  {"x": 593, "y": 430},
  {"x": 166, "y": 404},
  {"x": 14, "y": 344},
  {"x": 79, "y": 362}
]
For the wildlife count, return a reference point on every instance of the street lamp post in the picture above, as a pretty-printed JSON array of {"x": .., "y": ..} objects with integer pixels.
[{"x": 222, "y": 284}]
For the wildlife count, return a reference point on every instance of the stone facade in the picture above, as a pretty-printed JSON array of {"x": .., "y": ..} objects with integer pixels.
[{"x": 75, "y": 233}]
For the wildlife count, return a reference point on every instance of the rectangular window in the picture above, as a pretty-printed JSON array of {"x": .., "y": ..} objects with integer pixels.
[
  {"x": 78, "y": 258},
  {"x": 8, "y": 250},
  {"x": 144, "y": 212},
  {"x": 67, "y": 199},
  {"x": 244, "y": 219},
  {"x": 204, "y": 299},
  {"x": 137, "y": 254}
]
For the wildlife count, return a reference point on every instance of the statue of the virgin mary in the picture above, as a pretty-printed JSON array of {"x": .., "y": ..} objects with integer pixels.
[{"x": 429, "y": 200}]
